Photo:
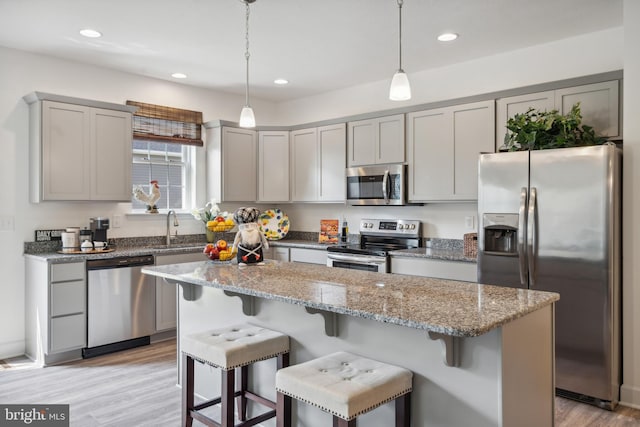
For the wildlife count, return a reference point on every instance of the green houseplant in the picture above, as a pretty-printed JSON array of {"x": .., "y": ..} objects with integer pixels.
[{"x": 541, "y": 130}]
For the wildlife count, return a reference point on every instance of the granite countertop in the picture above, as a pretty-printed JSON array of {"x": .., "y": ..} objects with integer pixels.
[
  {"x": 448, "y": 254},
  {"x": 176, "y": 248},
  {"x": 444, "y": 306}
]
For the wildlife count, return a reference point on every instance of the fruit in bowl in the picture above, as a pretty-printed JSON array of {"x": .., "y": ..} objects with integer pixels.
[
  {"x": 219, "y": 251},
  {"x": 220, "y": 223}
]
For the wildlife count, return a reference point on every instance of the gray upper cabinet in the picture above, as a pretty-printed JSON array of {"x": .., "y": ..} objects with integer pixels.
[
  {"x": 376, "y": 141},
  {"x": 318, "y": 164},
  {"x": 231, "y": 164},
  {"x": 273, "y": 166},
  {"x": 78, "y": 151},
  {"x": 443, "y": 146},
  {"x": 599, "y": 105}
]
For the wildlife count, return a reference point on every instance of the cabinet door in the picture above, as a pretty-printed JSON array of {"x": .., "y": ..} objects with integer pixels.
[
  {"x": 273, "y": 166},
  {"x": 430, "y": 154},
  {"x": 332, "y": 144},
  {"x": 166, "y": 293},
  {"x": 361, "y": 143},
  {"x": 111, "y": 155},
  {"x": 598, "y": 104},
  {"x": 473, "y": 133},
  {"x": 239, "y": 161},
  {"x": 508, "y": 107},
  {"x": 66, "y": 152},
  {"x": 305, "y": 165},
  {"x": 390, "y": 141}
]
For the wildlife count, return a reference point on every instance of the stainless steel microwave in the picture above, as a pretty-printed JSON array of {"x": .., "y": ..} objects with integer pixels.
[{"x": 377, "y": 185}]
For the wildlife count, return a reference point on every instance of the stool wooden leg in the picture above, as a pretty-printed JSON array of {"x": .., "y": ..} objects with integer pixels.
[
  {"x": 187, "y": 390},
  {"x": 227, "y": 398},
  {"x": 403, "y": 411},
  {"x": 283, "y": 360},
  {"x": 242, "y": 401},
  {"x": 339, "y": 422},
  {"x": 283, "y": 410}
]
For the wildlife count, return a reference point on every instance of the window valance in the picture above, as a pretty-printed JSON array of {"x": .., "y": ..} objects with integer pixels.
[{"x": 168, "y": 124}]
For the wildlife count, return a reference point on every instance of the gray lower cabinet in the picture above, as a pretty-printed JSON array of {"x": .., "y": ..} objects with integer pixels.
[
  {"x": 311, "y": 256},
  {"x": 278, "y": 253},
  {"x": 437, "y": 268},
  {"x": 56, "y": 321},
  {"x": 166, "y": 294}
]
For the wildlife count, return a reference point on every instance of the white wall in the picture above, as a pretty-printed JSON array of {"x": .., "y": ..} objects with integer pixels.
[
  {"x": 574, "y": 57},
  {"x": 630, "y": 392}
]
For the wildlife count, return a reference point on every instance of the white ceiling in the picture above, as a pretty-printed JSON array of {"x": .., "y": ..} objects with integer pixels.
[{"x": 318, "y": 45}]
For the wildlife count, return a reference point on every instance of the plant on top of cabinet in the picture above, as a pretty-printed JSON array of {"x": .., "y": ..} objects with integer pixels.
[{"x": 541, "y": 130}]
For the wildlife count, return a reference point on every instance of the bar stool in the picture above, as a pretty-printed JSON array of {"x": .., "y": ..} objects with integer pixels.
[
  {"x": 345, "y": 385},
  {"x": 229, "y": 348}
]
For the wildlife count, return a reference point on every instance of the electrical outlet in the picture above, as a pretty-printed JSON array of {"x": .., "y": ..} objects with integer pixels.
[
  {"x": 117, "y": 221},
  {"x": 7, "y": 223},
  {"x": 469, "y": 222}
]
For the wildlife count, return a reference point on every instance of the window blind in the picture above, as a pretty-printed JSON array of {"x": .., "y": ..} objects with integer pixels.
[{"x": 167, "y": 124}]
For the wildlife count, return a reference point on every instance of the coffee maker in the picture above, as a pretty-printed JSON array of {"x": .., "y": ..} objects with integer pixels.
[{"x": 99, "y": 226}]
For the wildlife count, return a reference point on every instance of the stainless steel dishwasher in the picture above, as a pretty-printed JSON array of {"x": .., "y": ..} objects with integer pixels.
[{"x": 121, "y": 304}]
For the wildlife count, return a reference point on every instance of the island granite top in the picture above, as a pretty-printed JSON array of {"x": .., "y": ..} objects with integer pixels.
[{"x": 443, "y": 306}]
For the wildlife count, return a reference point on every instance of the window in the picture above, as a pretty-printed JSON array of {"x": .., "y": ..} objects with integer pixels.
[
  {"x": 164, "y": 141},
  {"x": 169, "y": 164}
]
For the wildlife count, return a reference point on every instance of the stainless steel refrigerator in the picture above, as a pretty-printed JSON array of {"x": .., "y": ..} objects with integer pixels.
[{"x": 550, "y": 220}]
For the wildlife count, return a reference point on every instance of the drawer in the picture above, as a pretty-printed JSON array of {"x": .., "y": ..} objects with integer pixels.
[
  {"x": 439, "y": 269},
  {"x": 312, "y": 256},
  {"x": 68, "y": 298},
  {"x": 64, "y": 272},
  {"x": 68, "y": 333}
]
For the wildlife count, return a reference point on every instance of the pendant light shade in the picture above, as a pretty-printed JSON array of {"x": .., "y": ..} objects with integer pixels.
[
  {"x": 247, "y": 118},
  {"x": 400, "y": 89}
]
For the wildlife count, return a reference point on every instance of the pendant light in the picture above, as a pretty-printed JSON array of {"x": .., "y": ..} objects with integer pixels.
[
  {"x": 400, "y": 89},
  {"x": 247, "y": 119}
]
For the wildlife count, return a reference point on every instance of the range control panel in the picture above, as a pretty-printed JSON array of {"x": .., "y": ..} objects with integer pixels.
[{"x": 402, "y": 227}]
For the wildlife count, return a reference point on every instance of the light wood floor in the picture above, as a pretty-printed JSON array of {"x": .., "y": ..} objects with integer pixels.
[{"x": 138, "y": 388}]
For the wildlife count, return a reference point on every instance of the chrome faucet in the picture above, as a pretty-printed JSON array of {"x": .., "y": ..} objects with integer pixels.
[{"x": 175, "y": 224}]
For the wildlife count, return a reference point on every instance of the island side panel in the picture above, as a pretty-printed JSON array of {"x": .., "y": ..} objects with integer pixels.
[
  {"x": 528, "y": 370},
  {"x": 442, "y": 396}
]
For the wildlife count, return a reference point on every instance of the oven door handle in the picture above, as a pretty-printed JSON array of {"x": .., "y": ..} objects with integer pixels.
[{"x": 358, "y": 259}]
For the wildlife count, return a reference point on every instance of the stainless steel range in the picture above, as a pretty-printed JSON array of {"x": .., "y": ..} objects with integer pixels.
[{"x": 377, "y": 238}]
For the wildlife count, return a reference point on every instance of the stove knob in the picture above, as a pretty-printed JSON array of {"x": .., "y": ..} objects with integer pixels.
[
  {"x": 412, "y": 226},
  {"x": 401, "y": 226},
  {"x": 370, "y": 225}
]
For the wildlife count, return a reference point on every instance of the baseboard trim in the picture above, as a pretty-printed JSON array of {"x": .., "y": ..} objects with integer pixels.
[
  {"x": 12, "y": 349},
  {"x": 630, "y": 396}
]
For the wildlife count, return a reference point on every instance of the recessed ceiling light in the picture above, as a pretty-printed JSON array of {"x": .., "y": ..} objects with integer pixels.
[
  {"x": 447, "y": 37},
  {"x": 88, "y": 32},
  {"x": 281, "y": 81},
  {"x": 179, "y": 76}
]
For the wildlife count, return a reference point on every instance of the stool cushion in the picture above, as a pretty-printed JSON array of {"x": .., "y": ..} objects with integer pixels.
[
  {"x": 344, "y": 384},
  {"x": 234, "y": 346}
]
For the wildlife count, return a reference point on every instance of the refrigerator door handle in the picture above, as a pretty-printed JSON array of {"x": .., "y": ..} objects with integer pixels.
[
  {"x": 532, "y": 244},
  {"x": 522, "y": 220}
]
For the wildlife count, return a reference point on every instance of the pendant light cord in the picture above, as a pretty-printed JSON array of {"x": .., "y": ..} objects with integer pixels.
[
  {"x": 400, "y": 2},
  {"x": 246, "y": 53}
]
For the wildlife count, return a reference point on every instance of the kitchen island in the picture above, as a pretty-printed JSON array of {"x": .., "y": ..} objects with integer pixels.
[{"x": 481, "y": 355}]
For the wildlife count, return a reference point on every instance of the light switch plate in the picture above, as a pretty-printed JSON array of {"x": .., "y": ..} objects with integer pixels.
[
  {"x": 117, "y": 221},
  {"x": 469, "y": 222},
  {"x": 7, "y": 223}
]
